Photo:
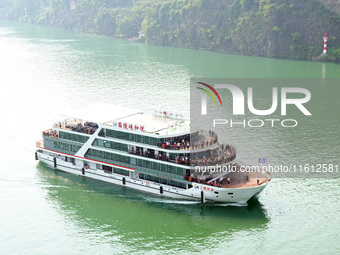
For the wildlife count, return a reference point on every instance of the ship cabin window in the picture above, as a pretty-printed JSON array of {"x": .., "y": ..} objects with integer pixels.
[
  {"x": 162, "y": 180},
  {"x": 73, "y": 137},
  {"x": 180, "y": 171},
  {"x": 120, "y": 171},
  {"x": 153, "y": 141},
  {"x": 133, "y": 161},
  {"x": 106, "y": 144},
  {"x": 155, "y": 166},
  {"x": 110, "y": 144},
  {"x": 139, "y": 162},
  {"x": 64, "y": 147},
  {"x": 100, "y": 142},
  {"x": 134, "y": 137},
  {"x": 138, "y": 138},
  {"x": 107, "y": 169},
  {"x": 146, "y": 139},
  {"x": 148, "y": 164}
]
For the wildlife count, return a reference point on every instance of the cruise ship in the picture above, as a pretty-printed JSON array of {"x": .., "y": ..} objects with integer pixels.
[{"x": 155, "y": 152}]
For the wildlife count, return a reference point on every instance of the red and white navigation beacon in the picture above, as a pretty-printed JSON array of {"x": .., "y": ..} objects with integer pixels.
[{"x": 325, "y": 38}]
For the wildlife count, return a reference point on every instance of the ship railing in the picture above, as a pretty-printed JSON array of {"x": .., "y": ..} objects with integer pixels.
[
  {"x": 203, "y": 140},
  {"x": 185, "y": 162},
  {"x": 39, "y": 143},
  {"x": 187, "y": 145},
  {"x": 227, "y": 155},
  {"x": 260, "y": 169},
  {"x": 227, "y": 183},
  {"x": 50, "y": 133},
  {"x": 213, "y": 162},
  {"x": 224, "y": 154}
]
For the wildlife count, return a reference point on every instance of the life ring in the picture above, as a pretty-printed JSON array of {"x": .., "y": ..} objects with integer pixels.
[{"x": 147, "y": 182}]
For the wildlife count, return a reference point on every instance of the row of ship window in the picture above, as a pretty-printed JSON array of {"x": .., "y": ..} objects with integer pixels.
[
  {"x": 115, "y": 170},
  {"x": 66, "y": 147},
  {"x": 141, "y": 138},
  {"x": 115, "y": 145},
  {"x": 124, "y": 147},
  {"x": 133, "y": 137},
  {"x": 104, "y": 144},
  {"x": 162, "y": 180},
  {"x": 73, "y": 137},
  {"x": 110, "y": 145},
  {"x": 72, "y": 149},
  {"x": 133, "y": 161},
  {"x": 119, "y": 135},
  {"x": 145, "y": 177}
]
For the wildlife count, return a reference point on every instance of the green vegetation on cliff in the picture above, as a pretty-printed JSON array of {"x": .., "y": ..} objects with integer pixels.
[{"x": 273, "y": 28}]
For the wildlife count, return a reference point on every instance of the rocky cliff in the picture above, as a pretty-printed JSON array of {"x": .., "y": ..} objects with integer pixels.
[
  {"x": 331, "y": 5},
  {"x": 271, "y": 28}
]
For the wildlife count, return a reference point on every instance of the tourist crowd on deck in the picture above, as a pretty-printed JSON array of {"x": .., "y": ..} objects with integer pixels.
[
  {"x": 202, "y": 180},
  {"x": 86, "y": 128},
  {"x": 51, "y": 133},
  {"x": 184, "y": 160},
  {"x": 224, "y": 154},
  {"x": 177, "y": 143},
  {"x": 240, "y": 180},
  {"x": 77, "y": 126},
  {"x": 183, "y": 142}
]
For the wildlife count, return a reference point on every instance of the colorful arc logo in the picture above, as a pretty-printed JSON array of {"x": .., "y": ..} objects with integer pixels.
[
  {"x": 209, "y": 93},
  {"x": 204, "y": 98}
]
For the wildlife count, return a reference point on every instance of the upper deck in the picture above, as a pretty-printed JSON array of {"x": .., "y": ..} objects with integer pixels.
[
  {"x": 151, "y": 124},
  {"x": 154, "y": 123},
  {"x": 165, "y": 130}
]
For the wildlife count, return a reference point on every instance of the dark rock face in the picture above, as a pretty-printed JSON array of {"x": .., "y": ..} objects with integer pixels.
[{"x": 332, "y": 5}]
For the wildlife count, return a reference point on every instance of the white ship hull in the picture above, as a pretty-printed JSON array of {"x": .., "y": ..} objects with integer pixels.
[{"x": 199, "y": 192}]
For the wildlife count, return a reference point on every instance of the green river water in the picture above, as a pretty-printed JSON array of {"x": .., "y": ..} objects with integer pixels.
[{"x": 46, "y": 71}]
